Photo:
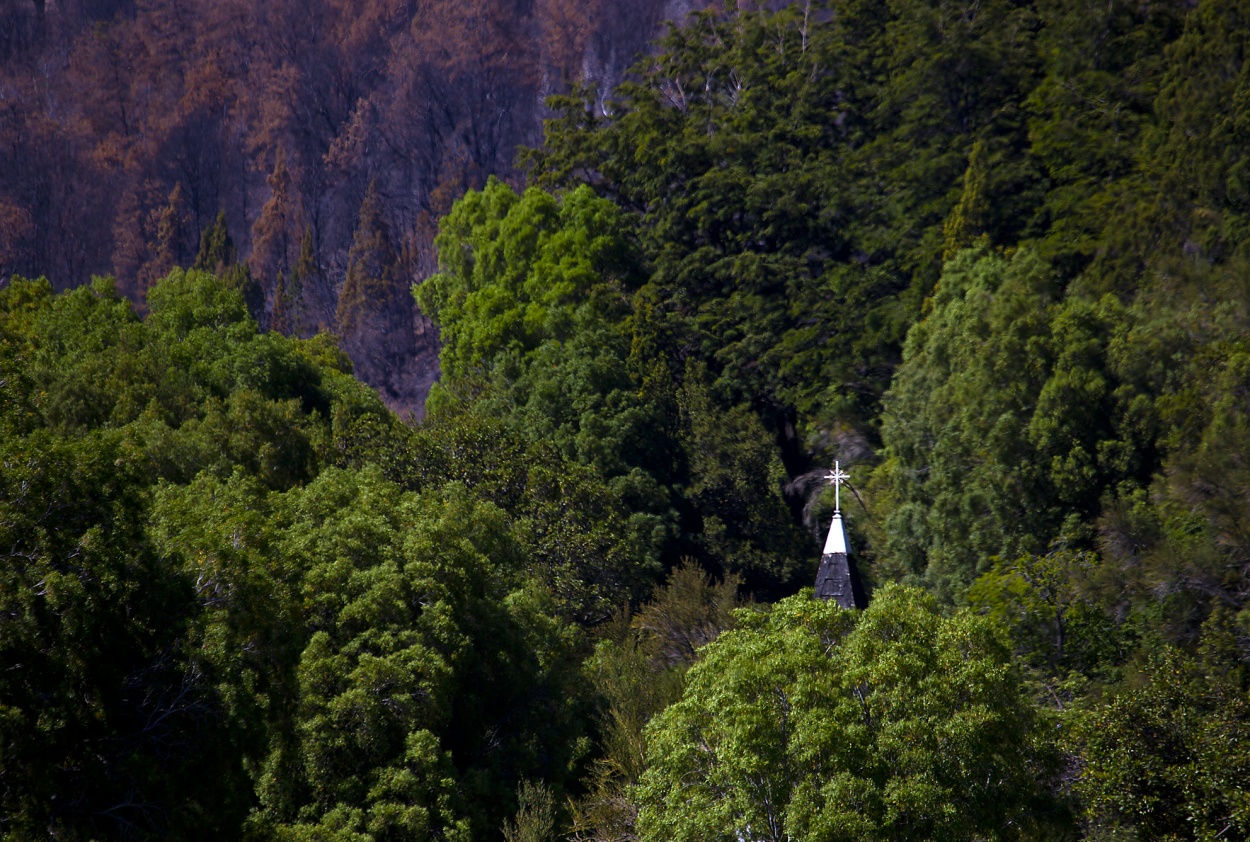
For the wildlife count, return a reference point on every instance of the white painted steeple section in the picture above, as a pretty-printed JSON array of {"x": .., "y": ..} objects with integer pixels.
[{"x": 836, "y": 542}]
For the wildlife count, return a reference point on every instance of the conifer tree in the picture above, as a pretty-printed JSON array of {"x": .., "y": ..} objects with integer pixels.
[
  {"x": 171, "y": 231},
  {"x": 272, "y": 240},
  {"x": 218, "y": 255},
  {"x": 967, "y": 221},
  {"x": 217, "y": 252},
  {"x": 290, "y": 305},
  {"x": 372, "y": 280}
]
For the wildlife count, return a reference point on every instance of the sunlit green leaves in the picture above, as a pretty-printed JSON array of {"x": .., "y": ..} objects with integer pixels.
[{"x": 810, "y": 722}]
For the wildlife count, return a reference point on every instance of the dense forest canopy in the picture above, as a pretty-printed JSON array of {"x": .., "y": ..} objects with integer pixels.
[{"x": 991, "y": 256}]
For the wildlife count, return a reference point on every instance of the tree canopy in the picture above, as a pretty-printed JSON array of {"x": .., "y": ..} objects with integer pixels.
[{"x": 811, "y": 722}]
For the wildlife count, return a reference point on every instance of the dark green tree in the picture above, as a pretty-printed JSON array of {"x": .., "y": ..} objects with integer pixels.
[
  {"x": 107, "y": 729},
  {"x": 1089, "y": 113},
  {"x": 790, "y": 173},
  {"x": 372, "y": 280},
  {"x": 543, "y": 326},
  {"x": 432, "y": 680},
  {"x": 218, "y": 255}
]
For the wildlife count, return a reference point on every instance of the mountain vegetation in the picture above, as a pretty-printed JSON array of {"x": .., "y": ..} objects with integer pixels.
[
  {"x": 130, "y": 126},
  {"x": 991, "y": 256}
]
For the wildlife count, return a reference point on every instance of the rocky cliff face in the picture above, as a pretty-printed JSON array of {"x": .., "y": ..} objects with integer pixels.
[{"x": 396, "y": 352}]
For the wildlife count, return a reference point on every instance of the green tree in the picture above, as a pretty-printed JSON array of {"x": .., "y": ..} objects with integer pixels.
[
  {"x": 433, "y": 676},
  {"x": 1051, "y": 605},
  {"x": 518, "y": 271},
  {"x": 218, "y": 255},
  {"x": 541, "y": 327},
  {"x": 956, "y": 425},
  {"x": 1089, "y": 112},
  {"x": 967, "y": 221},
  {"x": 108, "y": 728},
  {"x": 810, "y": 722},
  {"x": 733, "y": 485},
  {"x": 535, "y": 818},
  {"x": 1195, "y": 152},
  {"x": 1014, "y": 414},
  {"x": 217, "y": 252},
  {"x": 1170, "y": 759},
  {"x": 790, "y": 172},
  {"x": 591, "y": 557},
  {"x": 636, "y": 671},
  {"x": 147, "y": 606},
  {"x": 290, "y": 306}
]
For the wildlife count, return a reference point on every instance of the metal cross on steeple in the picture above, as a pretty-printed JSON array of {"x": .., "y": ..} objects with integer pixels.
[{"x": 837, "y": 476}]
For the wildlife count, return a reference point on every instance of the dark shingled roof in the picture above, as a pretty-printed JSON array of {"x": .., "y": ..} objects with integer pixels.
[{"x": 838, "y": 577}]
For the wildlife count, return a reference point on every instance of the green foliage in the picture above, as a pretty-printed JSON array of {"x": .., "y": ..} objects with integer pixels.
[
  {"x": 244, "y": 630},
  {"x": 808, "y": 721},
  {"x": 530, "y": 299},
  {"x": 1015, "y": 414},
  {"x": 636, "y": 671},
  {"x": 732, "y": 467},
  {"x": 519, "y": 271},
  {"x": 1171, "y": 759},
  {"x": 967, "y": 221},
  {"x": 92, "y": 621},
  {"x": 1089, "y": 112},
  {"x": 217, "y": 252},
  {"x": 290, "y": 307},
  {"x": 956, "y": 422},
  {"x": 168, "y": 609},
  {"x": 1196, "y": 149},
  {"x": 218, "y": 256},
  {"x": 791, "y": 171},
  {"x": 163, "y": 705},
  {"x": 1051, "y": 606},
  {"x": 542, "y": 330},
  {"x": 375, "y": 676},
  {"x": 591, "y": 556},
  {"x": 993, "y": 253},
  {"x": 1207, "y": 482},
  {"x": 535, "y": 818}
]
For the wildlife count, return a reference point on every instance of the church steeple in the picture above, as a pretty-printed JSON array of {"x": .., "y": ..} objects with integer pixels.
[{"x": 838, "y": 577}]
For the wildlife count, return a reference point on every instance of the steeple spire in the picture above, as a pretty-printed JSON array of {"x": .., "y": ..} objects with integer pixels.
[{"x": 838, "y": 577}]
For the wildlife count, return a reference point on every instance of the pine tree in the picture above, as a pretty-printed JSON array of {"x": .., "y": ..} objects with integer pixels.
[
  {"x": 967, "y": 221},
  {"x": 218, "y": 255},
  {"x": 372, "y": 267},
  {"x": 305, "y": 273},
  {"x": 171, "y": 231},
  {"x": 290, "y": 306},
  {"x": 217, "y": 252},
  {"x": 279, "y": 321}
]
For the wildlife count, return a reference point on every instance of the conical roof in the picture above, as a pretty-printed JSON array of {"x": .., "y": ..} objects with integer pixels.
[{"x": 838, "y": 577}]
